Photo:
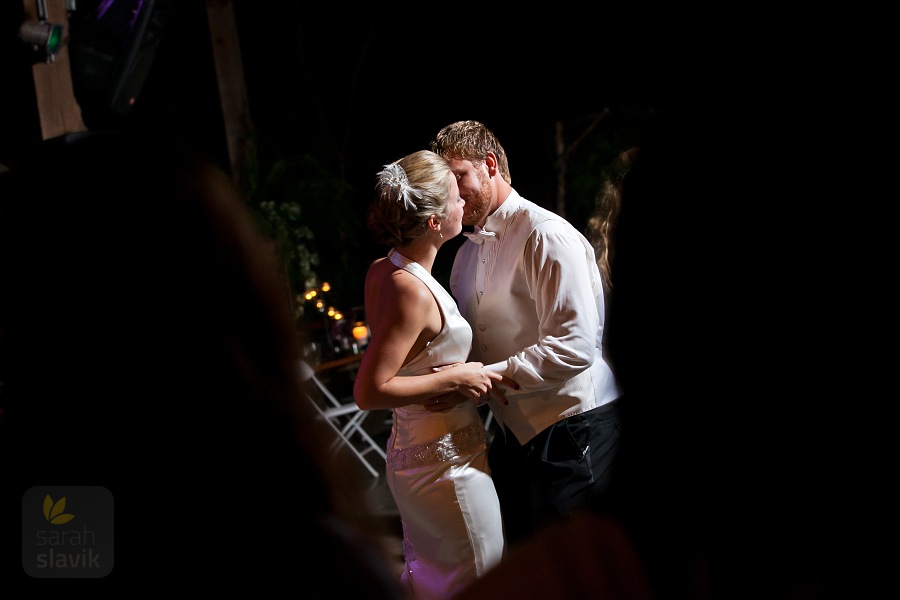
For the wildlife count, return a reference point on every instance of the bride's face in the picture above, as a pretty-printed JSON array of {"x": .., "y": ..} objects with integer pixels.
[{"x": 452, "y": 225}]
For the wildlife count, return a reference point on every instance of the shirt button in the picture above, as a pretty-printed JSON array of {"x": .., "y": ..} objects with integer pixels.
[
  {"x": 483, "y": 261},
  {"x": 481, "y": 327},
  {"x": 481, "y": 293},
  {"x": 483, "y": 347}
]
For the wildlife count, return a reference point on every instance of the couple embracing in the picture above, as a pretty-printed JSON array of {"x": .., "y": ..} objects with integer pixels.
[{"x": 522, "y": 330}]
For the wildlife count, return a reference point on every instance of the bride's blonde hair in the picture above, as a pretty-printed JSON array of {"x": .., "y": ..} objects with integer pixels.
[{"x": 407, "y": 192}]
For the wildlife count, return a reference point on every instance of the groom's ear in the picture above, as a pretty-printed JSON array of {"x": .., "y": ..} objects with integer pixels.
[{"x": 490, "y": 161}]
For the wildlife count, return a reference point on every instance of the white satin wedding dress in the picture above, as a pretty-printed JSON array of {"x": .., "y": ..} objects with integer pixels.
[{"x": 438, "y": 474}]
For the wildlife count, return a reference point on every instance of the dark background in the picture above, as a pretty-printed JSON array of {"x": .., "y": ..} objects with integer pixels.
[
  {"x": 749, "y": 375},
  {"x": 357, "y": 89}
]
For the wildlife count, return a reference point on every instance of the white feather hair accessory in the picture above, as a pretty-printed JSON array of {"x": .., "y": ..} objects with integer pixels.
[{"x": 395, "y": 177}]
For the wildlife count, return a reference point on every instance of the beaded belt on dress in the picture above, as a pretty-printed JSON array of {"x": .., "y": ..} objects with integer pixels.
[{"x": 446, "y": 448}]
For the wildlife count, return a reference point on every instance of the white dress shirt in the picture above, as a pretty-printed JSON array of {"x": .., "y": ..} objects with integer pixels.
[{"x": 533, "y": 295}]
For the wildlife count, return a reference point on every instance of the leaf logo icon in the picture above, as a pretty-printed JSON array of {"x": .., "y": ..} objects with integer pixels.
[{"x": 53, "y": 512}]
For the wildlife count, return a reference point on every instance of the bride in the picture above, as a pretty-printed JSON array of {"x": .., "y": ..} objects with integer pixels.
[{"x": 415, "y": 365}]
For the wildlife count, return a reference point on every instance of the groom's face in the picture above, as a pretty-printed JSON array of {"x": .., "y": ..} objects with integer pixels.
[{"x": 474, "y": 188}]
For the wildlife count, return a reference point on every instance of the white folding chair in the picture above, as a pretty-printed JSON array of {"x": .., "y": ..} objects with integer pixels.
[
  {"x": 489, "y": 424},
  {"x": 346, "y": 419},
  {"x": 488, "y": 419}
]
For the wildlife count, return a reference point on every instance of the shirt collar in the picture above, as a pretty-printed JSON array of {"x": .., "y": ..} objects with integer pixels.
[
  {"x": 495, "y": 223},
  {"x": 479, "y": 235},
  {"x": 509, "y": 207}
]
